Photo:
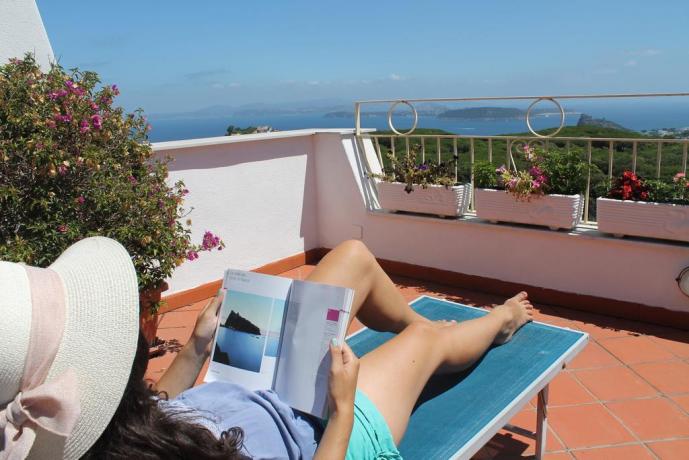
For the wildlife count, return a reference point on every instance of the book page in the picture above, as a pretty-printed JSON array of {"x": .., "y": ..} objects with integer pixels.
[
  {"x": 316, "y": 314},
  {"x": 247, "y": 340}
]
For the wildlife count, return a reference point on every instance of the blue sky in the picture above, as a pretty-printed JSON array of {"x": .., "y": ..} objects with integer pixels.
[
  {"x": 177, "y": 56},
  {"x": 253, "y": 307}
]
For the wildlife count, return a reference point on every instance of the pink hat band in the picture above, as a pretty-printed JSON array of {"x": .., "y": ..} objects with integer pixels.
[{"x": 52, "y": 406}]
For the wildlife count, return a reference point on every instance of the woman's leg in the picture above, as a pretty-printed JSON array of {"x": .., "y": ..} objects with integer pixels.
[
  {"x": 394, "y": 374},
  {"x": 377, "y": 301}
]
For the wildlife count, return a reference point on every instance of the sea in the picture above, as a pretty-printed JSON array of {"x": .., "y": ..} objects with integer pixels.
[
  {"x": 244, "y": 350},
  {"x": 635, "y": 118}
]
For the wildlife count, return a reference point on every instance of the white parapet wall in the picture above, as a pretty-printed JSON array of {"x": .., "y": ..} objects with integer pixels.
[
  {"x": 22, "y": 31},
  {"x": 257, "y": 192},
  {"x": 274, "y": 195}
]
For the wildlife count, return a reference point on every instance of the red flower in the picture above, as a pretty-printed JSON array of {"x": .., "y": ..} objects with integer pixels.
[
  {"x": 626, "y": 191},
  {"x": 629, "y": 186}
]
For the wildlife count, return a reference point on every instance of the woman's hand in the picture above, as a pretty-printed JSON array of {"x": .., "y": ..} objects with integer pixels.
[
  {"x": 206, "y": 324},
  {"x": 344, "y": 372}
]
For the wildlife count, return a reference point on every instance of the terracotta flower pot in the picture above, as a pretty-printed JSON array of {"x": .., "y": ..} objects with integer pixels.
[{"x": 148, "y": 320}]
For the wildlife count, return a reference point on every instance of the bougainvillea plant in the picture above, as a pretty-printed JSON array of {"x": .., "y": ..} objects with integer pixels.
[
  {"x": 408, "y": 171},
  {"x": 72, "y": 165}
]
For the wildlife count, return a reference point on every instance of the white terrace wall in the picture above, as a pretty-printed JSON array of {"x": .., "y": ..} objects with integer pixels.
[
  {"x": 21, "y": 30},
  {"x": 583, "y": 262},
  {"x": 258, "y": 192}
]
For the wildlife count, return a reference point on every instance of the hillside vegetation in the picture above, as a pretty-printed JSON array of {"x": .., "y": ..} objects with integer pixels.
[{"x": 647, "y": 152}]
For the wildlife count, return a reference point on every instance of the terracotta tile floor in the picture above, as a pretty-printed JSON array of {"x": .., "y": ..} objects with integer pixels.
[{"x": 626, "y": 396}]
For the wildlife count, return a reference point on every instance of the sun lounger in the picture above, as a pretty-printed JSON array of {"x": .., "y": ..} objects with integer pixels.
[{"x": 458, "y": 414}]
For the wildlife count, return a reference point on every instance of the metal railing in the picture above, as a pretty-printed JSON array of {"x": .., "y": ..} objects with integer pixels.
[{"x": 464, "y": 148}]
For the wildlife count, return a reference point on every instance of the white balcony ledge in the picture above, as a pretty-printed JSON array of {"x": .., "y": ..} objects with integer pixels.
[{"x": 221, "y": 140}]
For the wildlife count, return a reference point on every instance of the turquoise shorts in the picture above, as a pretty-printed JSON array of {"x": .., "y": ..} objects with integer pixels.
[{"x": 371, "y": 438}]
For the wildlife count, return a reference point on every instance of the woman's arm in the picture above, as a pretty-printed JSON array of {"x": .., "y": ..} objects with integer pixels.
[
  {"x": 343, "y": 376},
  {"x": 186, "y": 366}
]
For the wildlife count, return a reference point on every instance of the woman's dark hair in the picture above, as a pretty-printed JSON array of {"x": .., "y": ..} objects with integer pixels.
[{"x": 141, "y": 429}]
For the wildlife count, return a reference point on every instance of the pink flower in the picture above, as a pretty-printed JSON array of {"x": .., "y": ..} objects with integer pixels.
[
  {"x": 501, "y": 170},
  {"x": 678, "y": 177},
  {"x": 192, "y": 255},
  {"x": 63, "y": 118},
  {"x": 80, "y": 200},
  {"x": 51, "y": 124},
  {"x": 535, "y": 171},
  {"x": 210, "y": 241},
  {"x": 84, "y": 126},
  {"x": 133, "y": 180},
  {"x": 57, "y": 94},
  {"x": 93, "y": 105},
  {"x": 97, "y": 121},
  {"x": 62, "y": 170},
  {"x": 70, "y": 84},
  {"x": 528, "y": 152},
  {"x": 115, "y": 90},
  {"x": 62, "y": 228}
]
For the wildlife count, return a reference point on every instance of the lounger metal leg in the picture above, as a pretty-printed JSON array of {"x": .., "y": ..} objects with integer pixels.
[{"x": 541, "y": 422}]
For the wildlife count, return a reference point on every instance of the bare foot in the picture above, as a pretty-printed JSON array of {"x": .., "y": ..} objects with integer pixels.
[{"x": 515, "y": 312}]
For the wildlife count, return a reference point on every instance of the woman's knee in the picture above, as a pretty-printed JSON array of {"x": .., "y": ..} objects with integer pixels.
[
  {"x": 355, "y": 250},
  {"x": 422, "y": 330}
]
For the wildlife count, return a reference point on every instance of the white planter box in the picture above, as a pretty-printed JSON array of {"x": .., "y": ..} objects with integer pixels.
[
  {"x": 554, "y": 211},
  {"x": 435, "y": 199},
  {"x": 638, "y": 218}
]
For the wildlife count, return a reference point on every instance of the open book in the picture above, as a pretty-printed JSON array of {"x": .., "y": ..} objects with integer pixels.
[{"x": 275, "y": 333}]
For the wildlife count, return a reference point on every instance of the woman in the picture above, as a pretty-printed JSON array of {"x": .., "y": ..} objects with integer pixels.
[{"x": 370, "y": 399}]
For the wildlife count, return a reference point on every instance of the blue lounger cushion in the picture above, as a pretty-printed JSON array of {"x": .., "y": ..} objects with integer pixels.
[{"x": 458, "y": 413}]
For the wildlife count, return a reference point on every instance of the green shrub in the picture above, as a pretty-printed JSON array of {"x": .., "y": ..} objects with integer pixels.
[
  {"x": 485, "y": 175},
  {"x": 567, "y": 171},
  {"x": 72, "y": 166}
]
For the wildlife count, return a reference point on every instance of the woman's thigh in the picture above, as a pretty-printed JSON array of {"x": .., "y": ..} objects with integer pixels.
[
  {"x": 394, "y": 374},
  {"x": 348, "y": 265}
]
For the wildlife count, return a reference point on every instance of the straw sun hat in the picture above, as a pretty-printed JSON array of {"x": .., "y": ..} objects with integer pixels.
[{"x": 68, "y": 335}]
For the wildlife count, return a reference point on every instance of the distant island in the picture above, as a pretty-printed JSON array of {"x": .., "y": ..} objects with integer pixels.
[
  {"x": 588, "y": 120},
  {"x": 484, "y": 113},
  {"x": 422, "y": 111},
  {"x": 239, "y": 323}
]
